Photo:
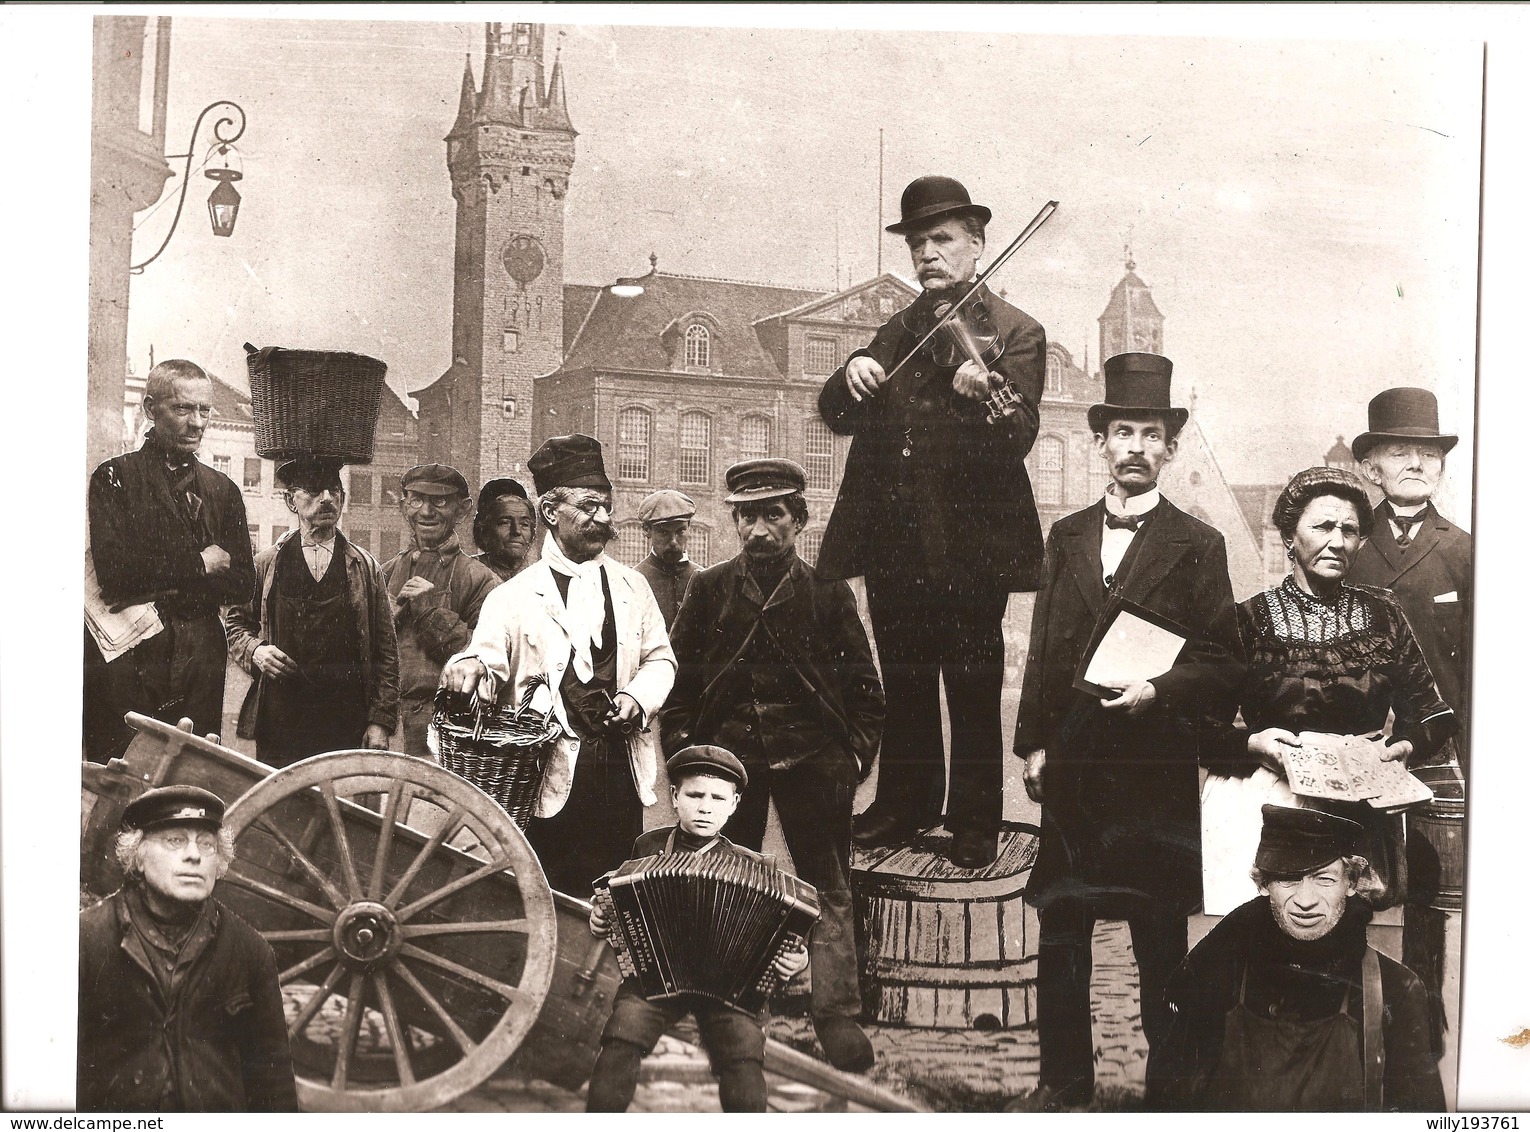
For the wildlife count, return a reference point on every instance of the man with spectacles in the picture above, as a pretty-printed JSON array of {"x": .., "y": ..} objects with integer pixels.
[
  {"x": 590, "y": 628},
  {"x": 179, "y": 1005},
  {"x": 436, "y": 590},
  {"x": 317, "y": 636}
]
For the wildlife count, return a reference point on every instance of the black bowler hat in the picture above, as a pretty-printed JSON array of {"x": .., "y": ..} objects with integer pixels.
[
  {"x": 498, "y": 488},
  {"x": 568, "y": 461},
  {"x": 1137, "y": 384},
  {"x": 174, "y": 805},
  {"x": 703, "y": 759},
  {"x": 1295, "y": 842},
  {"x": 749, "y": 480},
  {"x": 929, "y": 198},
  {"x": 1404, "y": 413},
  {"x": 434, "y": 479},
  {"x": 313, "y": 473}
]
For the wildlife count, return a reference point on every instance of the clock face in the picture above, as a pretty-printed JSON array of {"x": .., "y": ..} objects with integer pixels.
[{"x": 524, "y": 258}]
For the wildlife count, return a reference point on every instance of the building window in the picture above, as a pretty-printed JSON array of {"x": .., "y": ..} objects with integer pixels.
[
  {"x": 631, "y": 544},
  {"x": 1099, "y": 476},
  {"x": 820, "y": 457},
  {"x": 754, "y": 438},
  {"x": 822, "y": 355},
  {"x": 361, "y": 537},
  {"x": 807, "y": 546},
  {"x": 698, "y": 546},
  {"x": 254, "y": 537},
  {"x": 1054, "y": 374},
  {"x": 388, "y": 545},
  {"x": 224, "y": 464},
  {"x": 632, "y": 433},
  {"x": 252, "y": 473},
  {"x": 1050, "y": 454},
  {"x": 361, "y": 489},
  {"x": 698, "y": 347},
  {"x": 695, "y": 448}
]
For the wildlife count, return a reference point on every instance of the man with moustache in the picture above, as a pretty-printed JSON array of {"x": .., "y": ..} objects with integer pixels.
[
  {"x": 1117, "y": 777},
  {"x": 666, "y": 518},
  {"x": 936, "y": 512},
  {"x": 436, "y": 593},
  {"x": 582, "y": 633},
  {"x": 503, "y": 527},
  {"x": 179, "y": 1005},
  {"x": 167, "y": 529},
  {"x": 318, "y": 637},
  {"x": 775, "y": 667}
]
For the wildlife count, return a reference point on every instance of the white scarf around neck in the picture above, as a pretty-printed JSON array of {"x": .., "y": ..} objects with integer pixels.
[{"x": 586, "y": 603}]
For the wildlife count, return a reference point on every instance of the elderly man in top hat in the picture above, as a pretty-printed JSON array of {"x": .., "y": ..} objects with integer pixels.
[
  {"x": 317, "y": 636},
  {"x": 168, "y": 529},
  {"x": 587, "y": 629},
  {"x": 666, "y": 517},
  {"x": 503, "y": 527},
  {"x": 936, "y": 512},
  {"x": 1117, "y": 776},
  {"x": 775, "y": 666},
  {"x": 436, "y": 591},
  {"x": 1284, "y": 1007},
  {"x": 179, "y": 1005}
]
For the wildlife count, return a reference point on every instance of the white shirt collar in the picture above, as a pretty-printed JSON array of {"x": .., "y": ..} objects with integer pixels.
[
  {"x": 1409, "y": 512},
  {"x": 1132, "y": 505},
  {"x": 328, "y": 544}
]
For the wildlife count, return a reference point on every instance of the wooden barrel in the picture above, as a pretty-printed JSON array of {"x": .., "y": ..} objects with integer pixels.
[
  {"x": 1437, "y": 841},
  {"x": 943, "y": 946}
]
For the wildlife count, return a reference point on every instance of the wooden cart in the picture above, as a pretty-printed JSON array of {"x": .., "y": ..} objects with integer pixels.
[{"x": 418, "y": 943}]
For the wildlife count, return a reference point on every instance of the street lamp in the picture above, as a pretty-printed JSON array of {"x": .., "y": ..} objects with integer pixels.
[{"x": 223, "y": 203}]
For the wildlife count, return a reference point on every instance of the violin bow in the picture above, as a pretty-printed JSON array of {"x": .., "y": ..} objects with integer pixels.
[{"x": 1030, "y": 230}]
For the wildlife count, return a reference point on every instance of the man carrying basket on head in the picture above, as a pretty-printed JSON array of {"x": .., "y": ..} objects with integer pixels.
[{"x": 590, "y": 628}]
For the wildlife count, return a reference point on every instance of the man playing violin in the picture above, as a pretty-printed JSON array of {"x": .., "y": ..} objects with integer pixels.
[{"x": 936, "y": 513}]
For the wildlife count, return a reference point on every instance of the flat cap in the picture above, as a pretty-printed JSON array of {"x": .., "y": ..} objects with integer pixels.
[
  {"x": 664, "y": 505},
  {"x": 749, "y": 480},
  {"x": 703, "y": 759},
  {"x": 1295, "y": 842},
  {"x": 174, "y": 805},
  {"x": 568, "y": 461},
  {"x": 434, "y": 479},
  {"x": 310, "y": 472}
]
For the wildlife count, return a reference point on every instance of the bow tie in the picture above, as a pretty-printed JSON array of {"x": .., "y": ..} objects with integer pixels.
[{"x": 1124, "y": 522}]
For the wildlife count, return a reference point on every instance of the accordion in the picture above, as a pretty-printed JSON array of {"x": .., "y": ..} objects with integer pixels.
[{"x": 711, "y": 924}]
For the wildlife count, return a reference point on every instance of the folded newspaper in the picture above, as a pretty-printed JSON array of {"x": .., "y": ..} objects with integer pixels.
[
  {"x": 116, "y": 631},
  {"x": 1350, "y": 768}
]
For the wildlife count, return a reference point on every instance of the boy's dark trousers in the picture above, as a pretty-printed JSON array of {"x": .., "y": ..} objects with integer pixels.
[{"x": 734, "y": 1042}]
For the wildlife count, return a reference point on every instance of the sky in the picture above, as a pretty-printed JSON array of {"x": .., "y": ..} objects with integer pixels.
[{"x": 1305, "y": 211}]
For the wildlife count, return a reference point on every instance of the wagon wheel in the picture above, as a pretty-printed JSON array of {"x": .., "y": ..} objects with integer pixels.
[{"x": 414, "y": 930}]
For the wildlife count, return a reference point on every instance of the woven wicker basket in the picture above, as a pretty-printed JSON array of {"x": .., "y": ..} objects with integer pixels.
[
  {"x": 314, "y": 403},
  {"x": 500, "y": 749}
]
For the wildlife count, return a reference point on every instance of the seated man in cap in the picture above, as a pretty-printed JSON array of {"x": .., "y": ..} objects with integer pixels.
[
  {"x": 1284, "y": 1007},
  {"x": 666, "y": 518},
  {"x": 705, "y": 784},
  {"x": 437, "y": 593},
  {"x": 775, "y": 665},
  {"x": 583, "y": 631},
  {"x": 936, "y": 512},
  {"x": 179, "y": 1005},
  {"x": 503, "y": 527},
  {"x": 318, "y": 635}
]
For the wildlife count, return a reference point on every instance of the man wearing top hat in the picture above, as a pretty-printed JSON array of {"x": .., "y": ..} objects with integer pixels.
[
  {"x": 1117, "y": 777},
  {"x": 1417, "y": 553},
  {"x": 583, "y": 633},
  {"x": 503, "y": 527},
  {"x": 166, "y": 528},
  {"x": 775, "y": 667},
  {"x": 666, "y": 517},
  {"x": 1284, "y": 1007},
  {"x": 935, "y": 511},
  {"x": 179, "y": 1005},
  {"x": 317, "y": 637},
  {"x": 436, "y": 593}
]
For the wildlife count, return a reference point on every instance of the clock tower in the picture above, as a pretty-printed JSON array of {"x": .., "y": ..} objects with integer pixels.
[
  {"x": 510, "y": 152},
  {"x": 1131, "y": 320}
]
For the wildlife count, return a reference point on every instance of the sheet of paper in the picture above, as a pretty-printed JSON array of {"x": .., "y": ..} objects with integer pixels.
[
  {"x": 1131, "y": 650},
  {"x": 115, "y": 632},
  {"x": 1332, "y": 766}
]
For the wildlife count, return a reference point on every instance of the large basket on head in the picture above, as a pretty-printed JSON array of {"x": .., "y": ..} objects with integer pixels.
[
  {"x": 314, "y": 403},
  {"x": 500, "y": 748}
]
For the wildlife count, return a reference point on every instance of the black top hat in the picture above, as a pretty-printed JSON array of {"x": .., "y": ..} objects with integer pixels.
[
  {"x": 929, "y": 198},
  {"x": 1136, "y": 384},
  {"x": 704, "y": 759},
  {"x": 568, "y": 461},
  {"x": 174, "y": 805},
  {"x": 749, "y": 480},
  {"x": 1295, "y": 842},
  {"x": 1404, "y": 413}
]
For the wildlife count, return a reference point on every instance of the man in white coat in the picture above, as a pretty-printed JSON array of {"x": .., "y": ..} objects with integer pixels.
[{"x": 590, "y": 628}]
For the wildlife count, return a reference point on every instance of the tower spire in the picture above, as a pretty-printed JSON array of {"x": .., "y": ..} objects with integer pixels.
[
  {"x": 555, "y": 116},
  {"x": 467, "y": 102}
]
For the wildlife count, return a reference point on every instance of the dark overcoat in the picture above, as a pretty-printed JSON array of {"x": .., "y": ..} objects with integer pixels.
[
  {"x": 1432, "y": 580},
  {"x": 1121, "y": 817},
  {"x": 923, "y": 455},
  {"x": 220, "y": 1040}
]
